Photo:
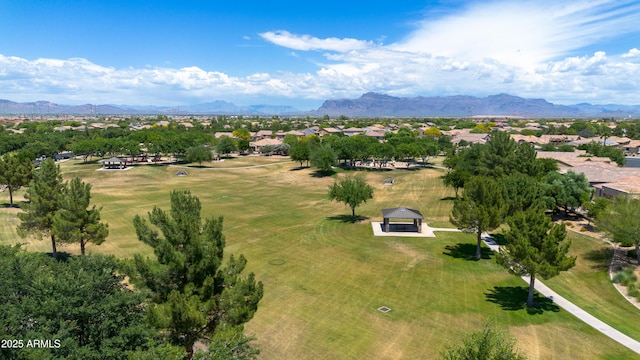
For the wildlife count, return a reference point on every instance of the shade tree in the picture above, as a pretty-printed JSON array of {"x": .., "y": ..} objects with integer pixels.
[
  {"x": 323, "y": 157},
  {"x": 566, "y": 191},
  {"x": 300, "y": 151},
  {"x": 535, "y": 247},
  {"x": 15, "y": 172},
  {"x": 617, "y": 220},
  {"x": 199, "y": 154},
  {"x": 352, "y": 191},
  {"x": 226, "y": 145}
]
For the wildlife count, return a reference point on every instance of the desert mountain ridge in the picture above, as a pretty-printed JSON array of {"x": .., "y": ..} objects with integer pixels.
[{"x": 370, "y": 105}]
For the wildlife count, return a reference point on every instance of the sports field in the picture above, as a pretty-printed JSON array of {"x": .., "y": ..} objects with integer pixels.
[{"x": 325, "y": 276}]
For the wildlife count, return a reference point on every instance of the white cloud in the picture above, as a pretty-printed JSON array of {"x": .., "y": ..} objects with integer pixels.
[
  {"x": 523, "y": 48},
  {"x": 307, "y": 42},
  {"x": 522, "y": 34},
  {"x": 633, "y": 53}
]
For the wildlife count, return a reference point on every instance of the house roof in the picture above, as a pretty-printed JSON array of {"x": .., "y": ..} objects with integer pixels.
[
  {"x": 265, "y": 142},
  {"x": 264, "y": 133},
  {"x": 629, "y": 184},
  {"x": 332, "y": 130},
  {"x": 402, "y": 213}
]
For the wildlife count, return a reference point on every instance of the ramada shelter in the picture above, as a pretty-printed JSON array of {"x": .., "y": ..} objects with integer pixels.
[{"x": 402, "y": 213}]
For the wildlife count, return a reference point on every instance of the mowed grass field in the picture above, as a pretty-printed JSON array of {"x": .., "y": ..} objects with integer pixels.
[{"x": 325, "y": 277}]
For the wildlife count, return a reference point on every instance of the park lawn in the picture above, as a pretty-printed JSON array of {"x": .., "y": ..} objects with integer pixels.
[
  {"x": 325, "y": 276},
  {"x": 588, "y": 285},
  {"x": 233, "y": 161}
]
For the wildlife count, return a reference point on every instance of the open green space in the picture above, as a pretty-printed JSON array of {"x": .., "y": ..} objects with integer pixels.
[{"x": 325, "y": 277}]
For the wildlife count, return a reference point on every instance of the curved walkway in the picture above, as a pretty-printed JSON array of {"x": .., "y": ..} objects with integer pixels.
[{"x": 573, "y": 309}]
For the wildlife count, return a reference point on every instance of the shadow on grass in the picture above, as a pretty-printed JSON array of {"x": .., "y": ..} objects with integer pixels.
[
  {"x": 448, "y": 198},
  {"x": 348, "y": 218},
  {"x": 16, "y": 205},
  {"x": 321, "y": 174},
  {"x": 514, "y": 298},
  {"x": 364, "y": 168},
  {"x": 599, "y": 258},
  {"x": 298, "y": 168},
  {"x": 88, "y": 162},
  {"x": 466, "y": 251}
]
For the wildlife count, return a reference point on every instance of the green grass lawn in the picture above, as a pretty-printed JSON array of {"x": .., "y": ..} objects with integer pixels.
[
  {"x": 325, "y": 276},
  {"x": 588, "y": 285}
]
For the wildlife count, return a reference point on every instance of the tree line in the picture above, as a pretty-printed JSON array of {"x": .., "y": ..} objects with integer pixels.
[{"x": 330, "y": 150}]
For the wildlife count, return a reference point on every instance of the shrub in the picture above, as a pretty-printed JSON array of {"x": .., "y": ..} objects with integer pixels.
[{"x": 625, "y": 277}]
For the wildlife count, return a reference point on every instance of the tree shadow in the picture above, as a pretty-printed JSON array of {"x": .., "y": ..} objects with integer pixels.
[
  {"x": 364, "y": 168},
  {"x": 448, "y": 198},
  {"x": 348, "y": 218},
  {"x": 322, "y": 174},
  {"x": 561, "y": 215},
  {"x": 499, "y": 238},
  {"x": 88, "y": 162},
  {"x": 298, "y": 168},
  {"x": 600, "y": 258},
  {"x": 62, "y": 255},
  {"x": 514, "y": 298},
  {"x": 466, "y": 251},
  {"x": 17, "y": 204}
]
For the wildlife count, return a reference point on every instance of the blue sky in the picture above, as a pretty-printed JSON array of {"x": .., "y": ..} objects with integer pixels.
[{"x": 288, "y": 52}]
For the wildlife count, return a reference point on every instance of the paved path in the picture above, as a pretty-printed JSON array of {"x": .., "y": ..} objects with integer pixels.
[{"x": 573, "y": 309}]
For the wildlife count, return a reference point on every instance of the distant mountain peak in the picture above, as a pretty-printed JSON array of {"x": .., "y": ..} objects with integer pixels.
[
  {"x": 370, "y": 104},
  {"x": 375, "y": 104},
  {"x": 374, "y": 95}
]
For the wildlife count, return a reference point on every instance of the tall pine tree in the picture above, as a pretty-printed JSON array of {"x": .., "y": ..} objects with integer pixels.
[
  {"x": 195, "y": 296},
  {"x": 536, "y": 247},
  {"x": 43, "y": 194},
  {"x": 480, "y": 209},
  {"x": 75, "y": 222}
]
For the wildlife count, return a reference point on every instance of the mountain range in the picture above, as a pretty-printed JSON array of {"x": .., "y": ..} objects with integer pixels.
[{"x": 369, "y": 104}]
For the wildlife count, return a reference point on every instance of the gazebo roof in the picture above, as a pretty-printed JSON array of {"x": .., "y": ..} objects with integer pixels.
[
  {"x": 402, "y": 213},
  {"x": 112, "y": 160}
]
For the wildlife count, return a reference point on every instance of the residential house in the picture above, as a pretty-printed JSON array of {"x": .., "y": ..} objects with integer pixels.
[
  {"x": 352, "y": 131},
  {"x": 263, "y": 134},
  {"x": 257, "y": 145}
]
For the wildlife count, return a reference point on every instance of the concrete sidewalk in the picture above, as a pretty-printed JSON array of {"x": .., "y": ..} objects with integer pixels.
[
  {"x": 585, "y": 316},
  {"x": 427, "y": 231},
  {"x": 573, "y": 309}
]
